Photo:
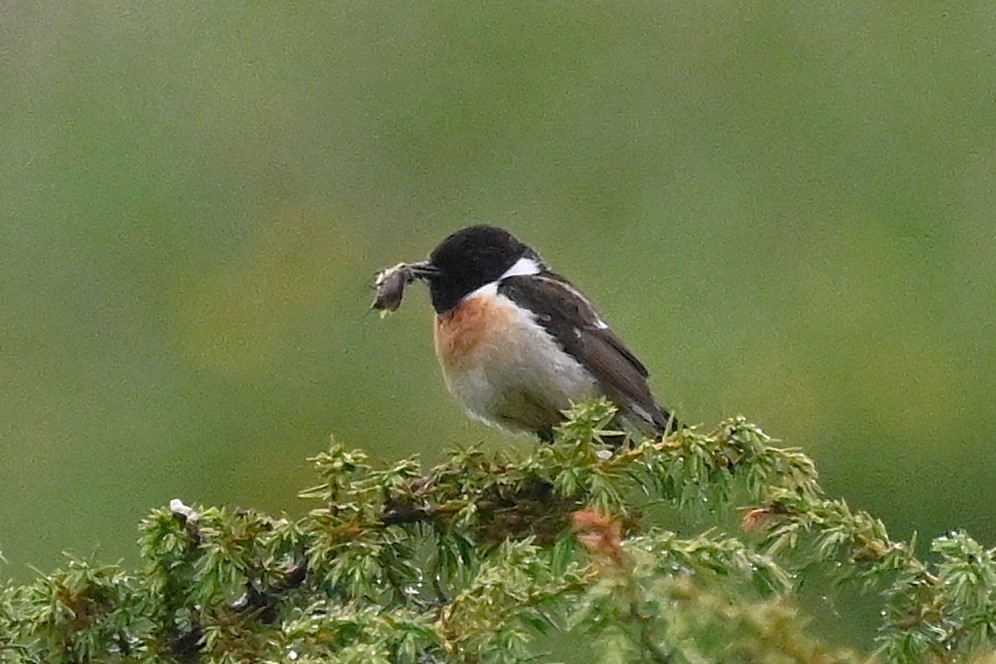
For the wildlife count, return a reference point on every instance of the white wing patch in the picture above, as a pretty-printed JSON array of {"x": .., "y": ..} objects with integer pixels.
[{"x": 599, "y": 323}]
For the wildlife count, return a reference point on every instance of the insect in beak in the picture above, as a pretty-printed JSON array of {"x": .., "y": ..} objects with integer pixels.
[{"x": 390, "y": 283}]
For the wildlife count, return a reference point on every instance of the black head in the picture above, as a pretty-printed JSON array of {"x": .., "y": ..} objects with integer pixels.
[{"x": 470, "y": 258}]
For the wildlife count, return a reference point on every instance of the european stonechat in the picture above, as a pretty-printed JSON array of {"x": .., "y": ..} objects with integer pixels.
[{"x": 518, "y": 343}]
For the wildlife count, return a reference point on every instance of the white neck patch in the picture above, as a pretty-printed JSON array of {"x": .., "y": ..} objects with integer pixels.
[{"x": 523, "y": 267}]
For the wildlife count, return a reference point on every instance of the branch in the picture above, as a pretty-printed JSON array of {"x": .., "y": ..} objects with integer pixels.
[{"x": 472, "y": 559}]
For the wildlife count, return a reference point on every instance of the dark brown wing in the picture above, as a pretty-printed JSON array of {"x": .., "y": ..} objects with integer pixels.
[{"x": 570, "y": 319}]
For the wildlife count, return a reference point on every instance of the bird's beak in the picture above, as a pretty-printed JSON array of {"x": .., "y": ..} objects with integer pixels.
[{"x": 424, "y": 270}]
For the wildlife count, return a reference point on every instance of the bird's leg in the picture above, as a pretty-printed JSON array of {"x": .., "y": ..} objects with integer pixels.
[{"x": 545, "y": 434}]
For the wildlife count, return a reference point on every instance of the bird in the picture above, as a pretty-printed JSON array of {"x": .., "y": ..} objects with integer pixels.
[{"x": 519, "y": 344}]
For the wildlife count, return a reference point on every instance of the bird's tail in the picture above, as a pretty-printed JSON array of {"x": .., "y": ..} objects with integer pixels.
[{"x": 665, "y": 422}]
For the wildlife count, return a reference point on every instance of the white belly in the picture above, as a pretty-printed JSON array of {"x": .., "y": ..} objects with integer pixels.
[{"x": 510, "y": 372}]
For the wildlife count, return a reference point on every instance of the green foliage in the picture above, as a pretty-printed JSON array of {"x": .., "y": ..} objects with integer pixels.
[{"x": 471, "y": 560}]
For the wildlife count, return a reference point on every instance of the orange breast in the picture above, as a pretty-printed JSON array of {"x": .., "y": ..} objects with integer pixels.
[{"x": 469, "y": 329}]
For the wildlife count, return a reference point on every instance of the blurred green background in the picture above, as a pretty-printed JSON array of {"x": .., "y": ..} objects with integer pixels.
[{"x": 786, "y": 209}]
